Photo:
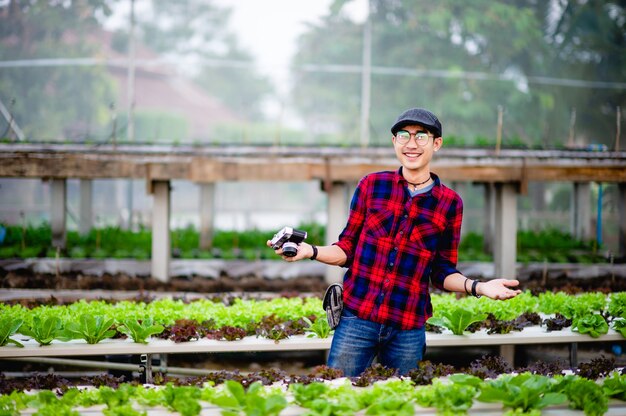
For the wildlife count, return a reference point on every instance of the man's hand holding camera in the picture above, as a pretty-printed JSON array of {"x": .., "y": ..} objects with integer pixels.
[{"x": 289, "y": 244}]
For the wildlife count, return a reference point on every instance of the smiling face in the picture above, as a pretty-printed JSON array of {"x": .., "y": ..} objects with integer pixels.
[{"x": 415, "y": 159}]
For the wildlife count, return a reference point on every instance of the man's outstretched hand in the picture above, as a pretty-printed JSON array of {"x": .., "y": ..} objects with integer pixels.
[{"x": 498, "y": 288}]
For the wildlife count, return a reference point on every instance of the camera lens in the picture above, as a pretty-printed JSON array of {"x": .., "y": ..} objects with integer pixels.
[{"x": 290, "y": 249}]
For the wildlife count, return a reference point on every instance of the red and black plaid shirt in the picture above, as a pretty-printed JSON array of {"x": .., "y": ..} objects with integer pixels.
[{"x": 395, "y": 245}]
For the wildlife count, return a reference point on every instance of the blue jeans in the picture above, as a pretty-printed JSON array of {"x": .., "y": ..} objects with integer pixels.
[{"x": 357, "y": 341}]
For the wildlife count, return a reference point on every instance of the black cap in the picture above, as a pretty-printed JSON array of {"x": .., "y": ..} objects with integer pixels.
[{"x": 420, "y": 117}]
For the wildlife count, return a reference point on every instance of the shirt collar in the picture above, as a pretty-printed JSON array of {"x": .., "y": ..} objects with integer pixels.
[{"x": 436, "y": 191}]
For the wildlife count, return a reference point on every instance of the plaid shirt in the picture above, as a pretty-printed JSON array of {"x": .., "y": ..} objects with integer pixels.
[{"x": 395, "y": 244}]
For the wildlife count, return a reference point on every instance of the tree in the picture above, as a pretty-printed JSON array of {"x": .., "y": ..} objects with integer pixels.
[
  {"x": 195, "y": 34},
  {"x": 467, "y": 58},
  {"x": 51, "y": 103}
]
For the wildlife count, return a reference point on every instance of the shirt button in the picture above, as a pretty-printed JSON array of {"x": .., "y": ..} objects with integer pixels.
[
  {"x": 395, "y": 248},
  {"x": 406, "y": 216},
  {"x": 391, "y": 264},
  {"x": 401, "y": 232}
]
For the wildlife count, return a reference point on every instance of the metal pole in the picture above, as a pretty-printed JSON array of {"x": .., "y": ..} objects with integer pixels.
[
  {"x": 599, "y": 217},
  {"x": 366, "y": 78},
  {"x": 130, "y": 79},
  {"x": 618, "y": 127},
  {"x": 130, "y": 130},
  {"x": 112, "y": 366}
]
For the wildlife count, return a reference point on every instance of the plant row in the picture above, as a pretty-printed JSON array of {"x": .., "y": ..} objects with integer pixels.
[
  {"x": 280, "y": 318},
  {"x": 588, "y": 313},
  {"x": 31, "y": 241},
  {"x": 95, "y": 321},
  {"x": 521, "y": 393}
]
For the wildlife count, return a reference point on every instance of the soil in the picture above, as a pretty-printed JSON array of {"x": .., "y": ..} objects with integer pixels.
[{"x": 122, "y": 282}]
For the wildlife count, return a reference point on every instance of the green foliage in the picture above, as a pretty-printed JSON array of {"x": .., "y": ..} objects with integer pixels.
[
  {"x": 448, "y": 398},
  {"x": 592, "y": 324},
  {"x": 53, "y": 101},
  {"x": 114, "y": 242},
  {"x": 139, "y": 330},
  {"x": 92, "y": 329},
  {"x": 44, "y": 330},
  {"x": 8, "y": 327},
  {"x": 234, "y": 400},
  {"x": 457, "y": 319},
  {"x": 525, "y": 392},
  {"x": 513, "y": 45},
  {"x": 617, "y": 305},
  {"x": 319, "y": 328},
  {"x": 583, "y": 394},
  {"x": 183, "y": 400},
  {"x": 614, "y": 386},
  {"x": 154, "y": 126}
]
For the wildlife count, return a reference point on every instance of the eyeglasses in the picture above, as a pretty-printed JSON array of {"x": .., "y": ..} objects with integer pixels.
[{"x": 421, "y": 137}]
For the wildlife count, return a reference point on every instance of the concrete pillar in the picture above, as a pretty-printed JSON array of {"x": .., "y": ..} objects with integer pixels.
[
  {"x": 505, "y": 237},
  {"x": 161, "y": 247},
  {"x": 489, "y": 218},
  {"x": 207, "y": 215},
  {"x": 581, "y": 211},
  {"x": 338, "y": 207},
  {"x": 621, "y": 209},
  {"x": 85, "y": 222},
  {"x": 58, "y": 205},
  {"x": 461, "y": 188}
]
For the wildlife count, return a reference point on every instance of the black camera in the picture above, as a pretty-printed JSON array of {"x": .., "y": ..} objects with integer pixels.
[{"x": 288, "y": 238}]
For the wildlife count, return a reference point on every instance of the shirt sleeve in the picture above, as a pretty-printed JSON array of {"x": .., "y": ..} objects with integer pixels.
[
  {"x": 348, "y": 238},
  {"x": 446, "y": 257}
]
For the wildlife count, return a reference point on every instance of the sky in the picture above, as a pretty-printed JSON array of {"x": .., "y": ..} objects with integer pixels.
[{"x": 268, "y": 29}]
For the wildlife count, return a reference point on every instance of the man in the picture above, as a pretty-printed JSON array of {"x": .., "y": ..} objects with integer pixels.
[{"x": 403, "y": 232}]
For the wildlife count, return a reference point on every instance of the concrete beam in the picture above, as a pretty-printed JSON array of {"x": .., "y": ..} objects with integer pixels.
[
  {"x": 161, "y": 246},
  {"x": 58, "y": 209},
  {"x": 505, "y": 237}
]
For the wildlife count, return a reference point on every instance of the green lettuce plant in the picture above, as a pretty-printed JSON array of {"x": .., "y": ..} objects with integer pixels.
[
  {"x": 457, "y": 319},
  {"x": 92, "y": 329},
  {"x": 44, "y": 330},
  {"x": 525, "y": 392},
  {"x": 319, "y": 328},
  {"x": 235, "y": 400},
  {"x": 593, "y": 324},
  {"x": 8, "y": 327},
  {"x": 139, "y": 330}
]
